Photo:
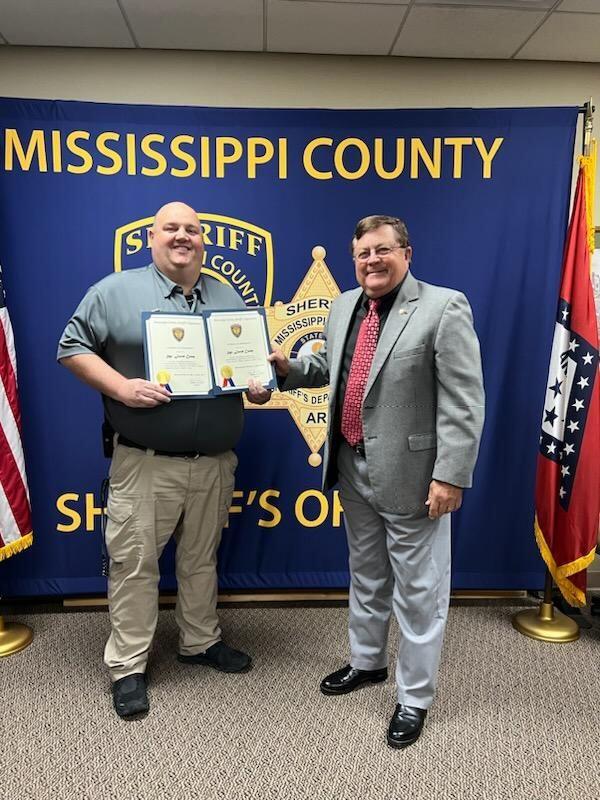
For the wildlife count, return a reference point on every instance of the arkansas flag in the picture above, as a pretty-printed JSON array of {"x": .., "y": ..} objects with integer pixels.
[
  {"x": 567, "y": 495},
  {"x": 15, "y": 512}
]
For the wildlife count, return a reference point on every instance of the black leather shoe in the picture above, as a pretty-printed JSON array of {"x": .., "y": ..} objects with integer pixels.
[
  {"x": 221, "y": 657},
  {"x": 406, "y": 725},
  {"x": 347, "y": 679},
  {"x": 130, "y": 696}
]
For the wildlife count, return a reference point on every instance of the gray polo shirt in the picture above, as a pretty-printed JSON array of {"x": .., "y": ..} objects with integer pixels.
[{"x": 108, "y": 323}]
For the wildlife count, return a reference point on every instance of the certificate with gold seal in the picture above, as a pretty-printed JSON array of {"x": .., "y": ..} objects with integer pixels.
[
  {"x": 239, "y": 346},
  {"x": 207, "y": 354},
  {"x": 176, "y": 353}
]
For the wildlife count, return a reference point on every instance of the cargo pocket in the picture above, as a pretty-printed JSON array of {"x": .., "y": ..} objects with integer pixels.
[
  {"x": 120, "y": 466},
  {"x": 122, "y": 543}
]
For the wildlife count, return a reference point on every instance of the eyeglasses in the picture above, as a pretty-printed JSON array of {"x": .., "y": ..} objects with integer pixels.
[{"x": 381, "y": 252}]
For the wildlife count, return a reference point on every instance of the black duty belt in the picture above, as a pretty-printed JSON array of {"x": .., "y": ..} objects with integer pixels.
[{"x": 184, "y": 454}]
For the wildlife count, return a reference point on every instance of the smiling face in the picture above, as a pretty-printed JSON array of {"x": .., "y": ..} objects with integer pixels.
[
  {"x": 381, "y": 261},
  {"x": 176, "y": 241}
]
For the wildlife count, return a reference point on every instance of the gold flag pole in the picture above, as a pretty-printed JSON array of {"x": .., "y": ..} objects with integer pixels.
[
  {"x": 548, "y": 624},
  {"x": 14, "y": 636}
]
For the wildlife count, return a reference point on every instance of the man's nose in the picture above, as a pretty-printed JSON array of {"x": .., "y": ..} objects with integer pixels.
[
  {"x": 181, "y": 233},
  {"x": 372, "y": 256}
]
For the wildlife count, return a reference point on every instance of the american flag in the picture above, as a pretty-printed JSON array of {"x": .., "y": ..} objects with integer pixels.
[
  {"x": 15, "y": 511},
  {"x": 568, "y": 475}
]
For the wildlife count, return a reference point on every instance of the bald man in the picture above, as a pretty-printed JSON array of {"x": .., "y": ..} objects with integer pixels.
[{"x": 173, "y": 465}]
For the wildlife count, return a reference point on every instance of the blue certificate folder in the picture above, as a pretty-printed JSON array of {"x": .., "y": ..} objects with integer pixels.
[{"x": 207, "y": 354}]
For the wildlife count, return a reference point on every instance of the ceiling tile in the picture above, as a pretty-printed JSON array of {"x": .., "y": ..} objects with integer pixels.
[
  {"x": 465, "y": 32},
  {"x": 360, "y": 2},
  {"x": 565, "y": 37},
  {"x": 194, "y": 25},
  {"x": 592, "y": 6},
  {"x": 522, "y": 5},
  {"x": 350, "y": 28},
  {"x": 93, "y": 23}
]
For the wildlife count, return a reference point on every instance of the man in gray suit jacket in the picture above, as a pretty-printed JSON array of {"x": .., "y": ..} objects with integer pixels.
[{"x": 406, "y": 409}]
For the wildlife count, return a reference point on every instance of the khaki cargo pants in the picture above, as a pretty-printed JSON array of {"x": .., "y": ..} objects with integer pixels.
[{"x": 152, "y": 498}]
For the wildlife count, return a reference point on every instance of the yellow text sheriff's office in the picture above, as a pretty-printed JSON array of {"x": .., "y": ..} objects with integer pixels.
[
  {"x": 184, "y": 156},
  {"x": 79, "y": 512}
]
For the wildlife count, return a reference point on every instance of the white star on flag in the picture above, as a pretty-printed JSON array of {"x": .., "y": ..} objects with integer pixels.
[
  {"x": 573, "y": 426},
  {"x": 587, "y": 359},
  {"x": 561, "y": 492},
  {"x": 551, "y": 447},
  {"x": 578, "y": 405},
  {"x": 582, "y": 383},
  {"x": 565, "y": 471},
  {"x": 573, "y": 345},
  {"x": 569, "y": 448}
]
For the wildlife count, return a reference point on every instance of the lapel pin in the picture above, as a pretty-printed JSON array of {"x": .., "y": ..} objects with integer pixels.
[{"x": 402, "y": 311}]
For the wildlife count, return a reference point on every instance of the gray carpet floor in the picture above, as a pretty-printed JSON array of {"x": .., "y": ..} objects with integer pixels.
[{"x": 514, "y": 718}]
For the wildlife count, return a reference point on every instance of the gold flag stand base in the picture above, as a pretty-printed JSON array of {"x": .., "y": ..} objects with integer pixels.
[
  {"x": 13, "y": 637},
  {"x": 546, "y": 624}
]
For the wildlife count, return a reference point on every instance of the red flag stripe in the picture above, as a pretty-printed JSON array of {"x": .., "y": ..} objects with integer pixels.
[
  {"x": 7, "y": 366},
  {"x": 15, "y": 511},
  {"x": 14, "y": 487},
  {"x": 11, "y": 431},
  {"x": 9, "y": 530}
]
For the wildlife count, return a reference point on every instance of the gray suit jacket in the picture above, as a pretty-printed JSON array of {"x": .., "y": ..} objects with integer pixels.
[{"x": 424, "y": 403}]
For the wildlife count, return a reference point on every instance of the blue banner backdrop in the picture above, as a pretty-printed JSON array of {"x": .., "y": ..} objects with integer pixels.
[{"x": 485, "y": 195}]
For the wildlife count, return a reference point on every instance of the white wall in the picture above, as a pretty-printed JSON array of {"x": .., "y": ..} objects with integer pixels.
[{"x": 267, "y": 79}]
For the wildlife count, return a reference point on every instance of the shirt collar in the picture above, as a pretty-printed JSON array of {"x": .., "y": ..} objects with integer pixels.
[
  {"x": 169, "y": 287},
  {"x": 386, "y": 301}
]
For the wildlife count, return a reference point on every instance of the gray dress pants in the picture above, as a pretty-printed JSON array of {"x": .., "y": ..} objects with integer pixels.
[{"x": 398, "y": 562}]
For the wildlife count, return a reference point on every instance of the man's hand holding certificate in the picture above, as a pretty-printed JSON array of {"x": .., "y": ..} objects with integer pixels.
[{"x": 204, "y": 355}]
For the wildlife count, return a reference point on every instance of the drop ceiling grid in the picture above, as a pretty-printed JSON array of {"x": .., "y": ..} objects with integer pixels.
[
  {"x": 461, "y": 32},
  {"x": 93, "y": 23},
  {"x": 235, "y": 25},
  {"x": 565, "y": 36},
  {"x": 553, "y": 30},
  {"x": 304, "y": 26}
]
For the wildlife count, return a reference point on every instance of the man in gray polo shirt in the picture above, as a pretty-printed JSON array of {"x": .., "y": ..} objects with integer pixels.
[{"x": 173, "y": 466}]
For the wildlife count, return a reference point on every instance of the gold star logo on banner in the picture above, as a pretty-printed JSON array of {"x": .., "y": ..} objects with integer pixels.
[{"x": 297, "y": 329}]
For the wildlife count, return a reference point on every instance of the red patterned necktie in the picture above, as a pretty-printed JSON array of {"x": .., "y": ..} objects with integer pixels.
[{"x": 366, "y": 343}]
